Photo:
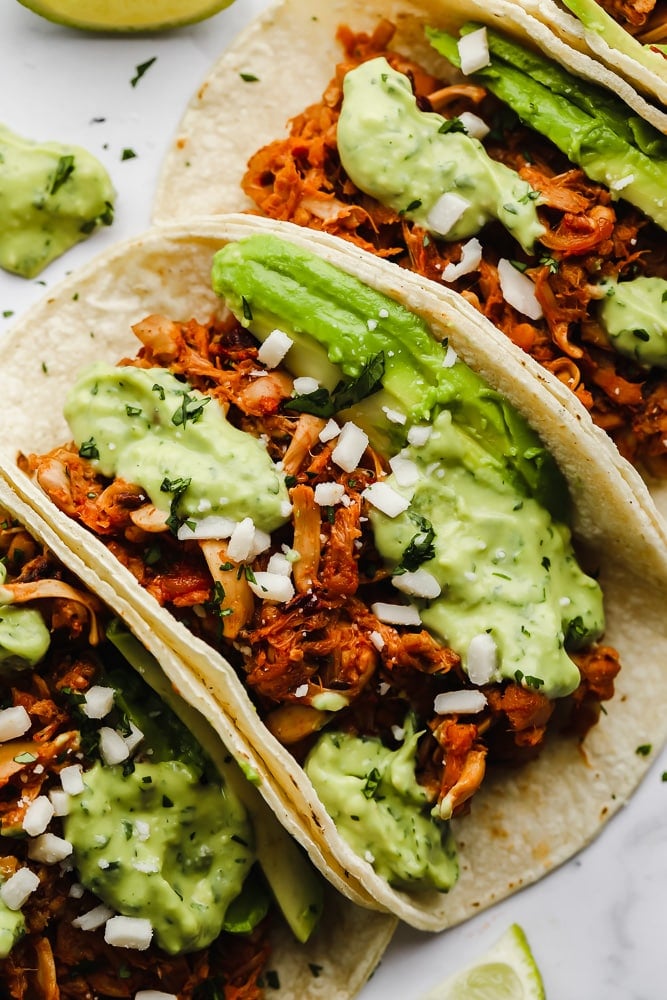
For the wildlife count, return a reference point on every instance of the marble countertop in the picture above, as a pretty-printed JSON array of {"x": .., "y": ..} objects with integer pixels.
[{"x": 597, "y": 925}]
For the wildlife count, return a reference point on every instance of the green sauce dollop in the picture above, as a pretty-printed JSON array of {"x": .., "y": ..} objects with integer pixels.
[
  {"x": 372, "y": 795},
  {"x": 401, "y": 156},
  {"x": 159, "y": 844},
  {"x": 152, "y": 430},
  {"x": 51, "y": 197},
  {"x": 634, "y": 314}
]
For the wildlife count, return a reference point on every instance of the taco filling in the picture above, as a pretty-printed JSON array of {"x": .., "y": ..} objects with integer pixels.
[
  {"x": 372, "y": 536},
  {"x": 535, "y": 195},
  {"x": 129, "y": 862}
]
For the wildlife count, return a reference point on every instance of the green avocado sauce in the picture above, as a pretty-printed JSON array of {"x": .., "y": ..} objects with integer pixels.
[
  {"x": 24, "y": 637},
  {"x": 52, "y": 196},
  {"x": 371, "y": 793},
  {"x": 148, "y": 428},
  {"x": 634, "y": 314},
  {"x": 505, "y": 567},
  {"x": 404, "y": 157},
  {"x": 157, "y": 843},
  {"x": 12, "y": 928}
]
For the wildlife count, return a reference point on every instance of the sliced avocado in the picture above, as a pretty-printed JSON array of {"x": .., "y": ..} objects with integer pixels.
[
  {"x": 268, "y": 282},
  {"x": 586, "y": 139},
  {"x": 249, "y": 907},
  {"x": 296, "y": 886},
  {"x": 12, "y": 929}
]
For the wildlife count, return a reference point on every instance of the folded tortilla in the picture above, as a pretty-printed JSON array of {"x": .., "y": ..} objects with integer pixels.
[
  {"x": 523, "y": 822},
  {"x": 252, "y": 91},
  {"x": 345, "y": 948}
]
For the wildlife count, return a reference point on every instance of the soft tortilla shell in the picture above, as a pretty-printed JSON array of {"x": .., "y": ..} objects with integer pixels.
[
  {"x": 350, "y": 941},
  {"x": 293, "y": 56},
  {"x": 522, "y": 823}
]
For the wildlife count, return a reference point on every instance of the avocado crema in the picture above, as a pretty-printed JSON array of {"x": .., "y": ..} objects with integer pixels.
[
  {"x": 634, "y": 314},
  {"x": 413, "y": 161},
  {"x": 24, "y": 637},
  {"x": 52, "y": 196},
  {"x": 491, "y": 492},
  {"x": 148, "y": 428}
]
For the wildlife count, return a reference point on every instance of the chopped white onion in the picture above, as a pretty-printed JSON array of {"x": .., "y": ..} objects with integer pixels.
[
  {"x": 386, "y": 499},
  {"x": 518, "y": 289},
  {"x": 241, "y": 540},
  {"x": 396, "y": 614},
  {"x": 37, "y": 816},
  {"x": 330, "y": 431},
  {"x": 377, "y": 639},
  {"x": 213, "y": 526},
  {"x": 274, "y": 348},
  {"x": 128, "y": 932},
  {"x": 394, "y": 416},
  {"x": 305, "y": 384},
  {"x": 60, "y": 801},
  {"x": 406, "y": 472},
  {"x": 474, "y": 51},
  {"x": 272, "y": 586},
  {"x": 98, "y": 701},
  {"x": 460, "y": 702},
  {"x": 446, "y": 212},
  {"x": 419, "y": 434},
  {"x": 471, "y": 258},
  {"x": 49, "y": 849},
  {"x": 154, "y": 995},
  {"x": 76, "y": 890},
  {"x": 71, "y": 778},
  {"x": 93, "y": 919},
  {"x": 417, "y": 583},
  {"x": 482, "y": 658},
  {"x": 474, "y": 125},
  {"x": 352, "y": 443},
  {"x": 134, "y": 738},
  {"x": 14, "y": 722},
  {"x": 113, "y": 747},
  {"x": 329, "y": 494},
  {"x": 279, "y": 563},
  {"x": 450, "y": 358},
  {"x": 18, "y": 887},
  {"x": 301, "y": 691}
]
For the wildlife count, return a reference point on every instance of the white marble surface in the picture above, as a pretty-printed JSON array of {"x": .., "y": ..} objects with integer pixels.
[{"x": 598, "y": 925}]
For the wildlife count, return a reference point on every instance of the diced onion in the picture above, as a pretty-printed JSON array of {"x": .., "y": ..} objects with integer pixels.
[
  {"x": 113, "y": 747},
  {"x": 406, "y": 472},
  {"x": 446, "y": 212},
  {"x": 394, "y": 416},
  {"x": 396, "y": 614},
  {"x": 386, "y": 499},
  {"x": 49, "y": 849},
  {"x": 417, "y": 583},
  {"x": 474, "y": 51},
  {"x": 134, "y": 738},
  {"x": 482, "y": 658},
  {"x": 274, "y": 348},
  {"x": 460, "y": 702},
  {"x": 60, "y": 801},
  {"x": 71, "y": 778},
  {"x": 377, "y": 639},
  {"x": 474, "y": 125},
  {"x": 214, "y": 526},
  {"x": 241, "y": 540},
  {"x": 329, "y": 494},
  {"x": 419, "y": 434},
  {"x": 18, "y": 887},
  {"x": 93, "y": 919},
  {"x": 450, "y": 358},
  {"x": 304, "y": 385},
  {"x": 37, "y": 816},
  {"x": 128, "y": 932},
  {"x": 154, "y": 995},
  {"x": 471, "y": 258},
  {"x": 14, "y": 722},
  {"x": 518, "y": 289},
  {"x": 352, "y": 443},
  {"x": 279, "y": 563},
  {"x": 98, "y": 701},
  {"x": 272, "y": 586},
  {"x": 330, "y": 431}
]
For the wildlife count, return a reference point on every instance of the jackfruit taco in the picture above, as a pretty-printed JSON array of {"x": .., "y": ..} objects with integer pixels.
[
  {"x": 409, "y": 577},
  {"x": 468, "y": 143},
  {"x": 138, "y": 859}
]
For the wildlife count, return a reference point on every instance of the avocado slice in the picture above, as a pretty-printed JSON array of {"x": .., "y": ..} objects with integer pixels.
[
  {"x": 269, "y": 282},
  {"x": 297, "y": 887},
  {"x": 590, "y": 137},
  {"x": 12, "y": 929}
]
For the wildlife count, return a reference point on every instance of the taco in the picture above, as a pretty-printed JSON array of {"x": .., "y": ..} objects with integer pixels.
[
  {"x": 559, "y": 243},
  {"x": 350, "y": 515},
  {"x": 137, "y": 857},
  {"x": 628, "y": 37}
]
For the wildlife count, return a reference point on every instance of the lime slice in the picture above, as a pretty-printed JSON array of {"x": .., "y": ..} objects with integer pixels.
[
  {"x": 507, "y": 972},
  {"x": 125, "y": 15}
]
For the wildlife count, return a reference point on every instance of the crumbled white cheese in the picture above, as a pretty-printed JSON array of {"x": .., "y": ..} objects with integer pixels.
[
  {"x": 154, "y": 995},
  {"x": 419, "y": 434},
  {"x": 329, "y": 494},
  {"x": 385, "y": 499},
  {"x": 352, "y": 443},
  {"x": 406, "y": 472},
  {"x": 279, "y": 563},
  {"x": 274, "y": 348},
  {"x": 272, "y": 586},
  {"x": 301, "y": 691},
  {"x": 417, "y": 583},
  {"x": 18, "y": 887},
  {"x": 37, "y": 816},
  {"x": 471, "y": 258},
  {"x": 377, "y": 639},
  {"x": 128, "y": 932},
  {"x": 14, "y": 722},
  {"x": 49, "y": 849},
  {"x": 241, "y": 540},
  {"x": 462, "y": 702},
  {"x": 71, "y": 778},
  {"x": 330, "y": 431},
  {"x": 446, "y": 212},
  {"x": 394, "y": 416},
  {"x": 214, "y": 526},
  {"x": 93, "y": 919},
  {"x": 304, "y": 385},
  {"x": 60, "y": 801},
  {"x": 396, "y": 614},
  {"x": 482, "y": 658},
  {"x": 518, "y": 289}
]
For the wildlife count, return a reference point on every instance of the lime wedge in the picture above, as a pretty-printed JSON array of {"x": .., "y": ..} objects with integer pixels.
[
  {"x": 507, "y": 972},
  {"x": 125, "y": 15}
]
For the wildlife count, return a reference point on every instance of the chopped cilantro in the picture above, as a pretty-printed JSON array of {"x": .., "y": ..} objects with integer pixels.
[
  {"x": 89, "y": 449},
  {"x": 345, "y": 394},
  {"x": 644, "y": 749},
  {"x": 249, "y": 77},
  {"x": 452, "y": 125},
  {"x": 140, "y": 70},
  {"x": 64, "y": 169},
  {"x": 128, "y": 154}
]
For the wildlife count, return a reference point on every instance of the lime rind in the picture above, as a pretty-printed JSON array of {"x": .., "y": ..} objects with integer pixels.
[
  {"x": 123, "y": 16},
  {"x": 507, "y": 971}
]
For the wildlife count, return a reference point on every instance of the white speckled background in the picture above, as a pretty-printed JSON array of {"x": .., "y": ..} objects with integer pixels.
[{"x": 597, "y": 926}]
